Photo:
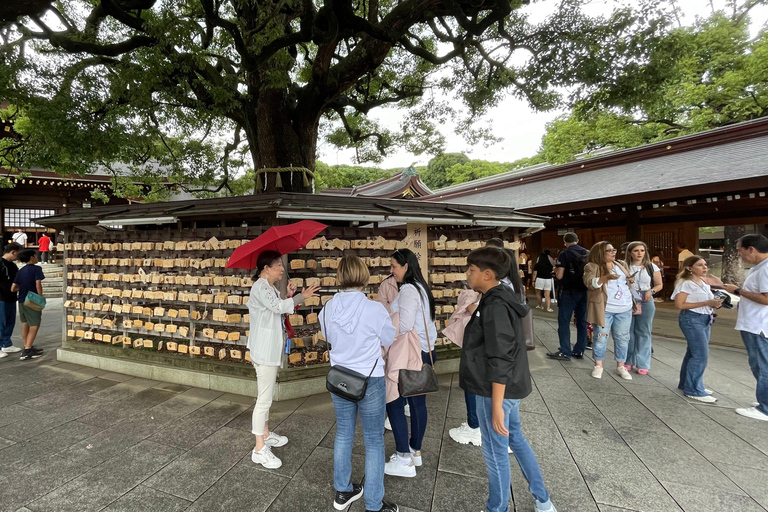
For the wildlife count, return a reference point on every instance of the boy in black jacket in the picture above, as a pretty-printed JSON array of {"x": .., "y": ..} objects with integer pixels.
[{"x": 494, "y": 366}]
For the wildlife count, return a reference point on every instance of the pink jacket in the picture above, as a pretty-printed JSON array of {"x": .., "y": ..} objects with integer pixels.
[
  {"x": 388, "y": 291},
  {"x": 403, "y": 354},
  {"x": 460, "y": 317}
]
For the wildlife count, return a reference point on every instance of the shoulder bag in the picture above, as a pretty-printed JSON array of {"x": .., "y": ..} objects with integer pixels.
[
  {"x": 34, "y": 301},
  {"x": 343, "y": 382},
  {"x": 418, "y": 382}
]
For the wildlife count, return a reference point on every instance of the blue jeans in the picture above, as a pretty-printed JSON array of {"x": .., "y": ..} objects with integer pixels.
[
  {"x": 616, "y": 324},
  {"x": 469, "y": 399},
  {"x": 696, "y": 328},
  {"x": 371, "y": 409},
  {"x": 7, "y": 322},
  {"x": 757, "y": 350},
  {"x": 497, "y": 458},
  {"x": 639, "y": 350},
  {"x": 396, "y": 414},
  {"x": 570, "y": 302}
]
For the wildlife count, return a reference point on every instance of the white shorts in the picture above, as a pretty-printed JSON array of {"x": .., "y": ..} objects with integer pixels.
[{"x": 543, "y": 284}]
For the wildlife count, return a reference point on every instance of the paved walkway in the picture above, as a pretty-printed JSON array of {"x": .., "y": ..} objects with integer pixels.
[{"x": 77, "y": 439}]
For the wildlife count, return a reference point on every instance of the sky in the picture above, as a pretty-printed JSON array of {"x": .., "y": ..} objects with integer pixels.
[{"x": 520, "y": 127}]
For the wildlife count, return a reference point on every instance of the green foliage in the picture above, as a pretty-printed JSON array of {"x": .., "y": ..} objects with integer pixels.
[
  {"x": 684, "y": 81},
  {"x": 343, "y": 176},
  {"x": 436, "y": 174},
  {"x": 475, "y": 169}
]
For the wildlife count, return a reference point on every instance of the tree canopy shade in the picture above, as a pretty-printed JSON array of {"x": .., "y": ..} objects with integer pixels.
[
  {"x": 692, "y": 79},
  {"x": 202, "y": 87}
]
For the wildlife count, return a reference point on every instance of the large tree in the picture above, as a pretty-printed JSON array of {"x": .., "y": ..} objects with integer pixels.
[{"x": 195, "y": 85}]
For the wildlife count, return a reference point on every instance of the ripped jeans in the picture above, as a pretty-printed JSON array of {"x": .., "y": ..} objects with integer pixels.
[{"x": 616, "y": 324}]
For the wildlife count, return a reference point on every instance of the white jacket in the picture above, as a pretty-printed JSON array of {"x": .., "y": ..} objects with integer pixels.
[
  {"x": 266, "y": 340},
  {"x": 413, "y": 305}
]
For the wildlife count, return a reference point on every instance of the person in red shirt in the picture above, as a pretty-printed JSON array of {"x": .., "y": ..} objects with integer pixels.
[{"x": 45, "y": 246}]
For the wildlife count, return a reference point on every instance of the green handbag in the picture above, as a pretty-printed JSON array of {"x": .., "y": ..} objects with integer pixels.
[{"x": 35, "y": 301}]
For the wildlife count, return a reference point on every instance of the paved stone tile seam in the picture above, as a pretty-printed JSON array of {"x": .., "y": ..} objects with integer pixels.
[{"x": 737, "y": 434}]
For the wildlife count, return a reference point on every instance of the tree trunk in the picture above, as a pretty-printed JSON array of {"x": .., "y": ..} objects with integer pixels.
[
  {"x": 733, "y": 271},
  {"x": 279, "y": 137}
]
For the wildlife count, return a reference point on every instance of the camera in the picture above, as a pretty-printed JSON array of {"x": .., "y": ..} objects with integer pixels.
[{"x": 727, "y": 304}]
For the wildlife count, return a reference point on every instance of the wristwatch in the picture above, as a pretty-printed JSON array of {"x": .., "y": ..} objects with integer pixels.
[{"x": 737, "y": 292}]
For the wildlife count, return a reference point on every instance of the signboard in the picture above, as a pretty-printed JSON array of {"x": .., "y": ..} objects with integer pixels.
[{"x": 418, "y": 236}]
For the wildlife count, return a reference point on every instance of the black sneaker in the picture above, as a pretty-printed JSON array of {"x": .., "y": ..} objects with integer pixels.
[
  {"x": 589, "y": 345},
  {"x": 558, "y": 355},
  {"x": 578, "y": 355},
  {"x": 386, "y": 507},
  {"x": 31, "y": 353},
  {"x": 344, "y": 499}
]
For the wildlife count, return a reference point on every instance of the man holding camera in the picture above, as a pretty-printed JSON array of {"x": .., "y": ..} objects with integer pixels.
[{"x": 752, "y": 320}]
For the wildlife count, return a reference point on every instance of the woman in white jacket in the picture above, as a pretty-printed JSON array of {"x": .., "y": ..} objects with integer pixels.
[
  {"x": 357, "y": 328},
  {"x": 266, "y": 341}
]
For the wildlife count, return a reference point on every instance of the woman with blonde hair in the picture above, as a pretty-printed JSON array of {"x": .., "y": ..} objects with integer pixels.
[
  {"x": 609, "y": 305},
  {"x": 696, "y": 302},
  {"x": 647, "y": 282},
  {"x": 357, "y": 328}
]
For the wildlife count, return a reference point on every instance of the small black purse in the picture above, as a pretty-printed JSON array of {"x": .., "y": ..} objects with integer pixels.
[
  {"x": 418, "y": 382},
  {"x": 345, "y": 383}
]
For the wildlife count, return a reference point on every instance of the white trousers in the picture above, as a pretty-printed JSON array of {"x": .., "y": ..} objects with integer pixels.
[{"x": 266, "y": 376}]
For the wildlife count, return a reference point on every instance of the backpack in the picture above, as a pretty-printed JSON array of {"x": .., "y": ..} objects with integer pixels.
[{"x": 573, "y": 274}]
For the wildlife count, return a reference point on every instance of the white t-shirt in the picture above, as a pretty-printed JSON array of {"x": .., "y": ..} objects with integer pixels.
[
  {"x": 643, "y": 281},
  {"x": 753, "y": 317},
  {"x": 696, "y": 293},
  {"x": 683, "y": 255},
  {"x": 619, "y": 295},
  {"x": 20, "y": 238},
  {"x": 413, "y": 305}
]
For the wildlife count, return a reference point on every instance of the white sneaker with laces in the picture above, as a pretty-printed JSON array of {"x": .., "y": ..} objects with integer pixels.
[
  {"x": 466, "y": 435},
  {"x": 623, "y": 373},
  {"x": 597, "y": 372},
  {"x": 275, "y": 440},
  {"x": 706, "y": 399},
  {"x": 266, "y": 458},
  {"x": 752, "y": 412},
  {"x": 400, "y": 466},
  {"x": 415, "y": 456},
  {"x": 387, "y": 424},
  {"x": 11, "y": 349}
]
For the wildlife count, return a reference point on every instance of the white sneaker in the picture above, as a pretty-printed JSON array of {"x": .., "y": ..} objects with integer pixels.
[
  {"x": 466, "y": 435},
  {"x": 623, "y": 373},
  {"x": 387, "y": 424},
  {"x": 11, "y": 349},
  {"x": 708, "y": 391},
  {"x": 706, "y": 399},
  {"x": 550, "y": 310},
  {"x": 538, "y": 307},
  {"x": 550, "y": 508},
  {"x": 400, "y": 466},
  {"x": 755, "y": 404},
  {"x": 415, "y": 456},
  {"x": 597, "y": 372},
  {"x": 266, "y": 458},
  {"x": 752, "y": 412},
  {"x": 408, "y": 410},
  {"x": 3, "y": 354},
  {"x": 275, "y": 440}
]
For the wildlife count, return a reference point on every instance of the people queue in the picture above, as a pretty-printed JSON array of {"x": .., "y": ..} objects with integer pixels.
[{"x": 384, "y": 348}]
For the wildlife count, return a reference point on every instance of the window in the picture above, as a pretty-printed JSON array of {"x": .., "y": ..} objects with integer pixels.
[{"x": 22, "y": 217}]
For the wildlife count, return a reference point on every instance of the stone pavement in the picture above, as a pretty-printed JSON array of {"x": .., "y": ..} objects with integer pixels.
[{"x": 77, "y": 439}]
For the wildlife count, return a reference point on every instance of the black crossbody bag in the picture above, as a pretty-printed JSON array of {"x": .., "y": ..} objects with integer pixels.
[{"x": 343, "y": 382}]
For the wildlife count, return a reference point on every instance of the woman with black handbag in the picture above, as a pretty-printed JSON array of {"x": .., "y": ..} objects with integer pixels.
[
  {"x": 357, "y": 328},
  {"x": 416, "y": 307}
]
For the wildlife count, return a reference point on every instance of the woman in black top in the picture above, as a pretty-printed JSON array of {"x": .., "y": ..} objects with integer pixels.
[{"x": 542, "y": 280}]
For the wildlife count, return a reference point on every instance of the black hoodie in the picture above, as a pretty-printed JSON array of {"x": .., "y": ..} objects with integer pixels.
[{"x": 494, "y": 346}]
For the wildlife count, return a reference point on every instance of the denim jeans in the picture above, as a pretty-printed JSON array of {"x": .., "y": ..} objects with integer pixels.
[
  {"x": 396, "y": 414},
  {"x": 570, "y": 302},
  {"x": 757, "y": 350},
  {"x": 371, "y": 409},
  {"x": 469, "y": 399},
  {"x": 7, "y": 322},
  {"x": 639, "y": 350},
  {"x": 616, "y": 324},
  {"x": 497, "y": 458},
  {"x": 696, "y": 327}
]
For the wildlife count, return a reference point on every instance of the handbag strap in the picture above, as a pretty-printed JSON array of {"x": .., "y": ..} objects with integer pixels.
[
  {"x": 330, "y": 345},
  {"x": 426, "y": 333}
]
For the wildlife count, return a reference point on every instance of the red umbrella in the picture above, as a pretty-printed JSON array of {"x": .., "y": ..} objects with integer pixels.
[{"x": 283, "y": 239}]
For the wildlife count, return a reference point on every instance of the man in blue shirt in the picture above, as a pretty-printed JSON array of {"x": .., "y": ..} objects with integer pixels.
[{"x": 29, "y": 279}]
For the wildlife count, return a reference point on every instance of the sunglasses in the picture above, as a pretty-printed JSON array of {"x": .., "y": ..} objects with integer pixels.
[{"x": 611, "y": 250}]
